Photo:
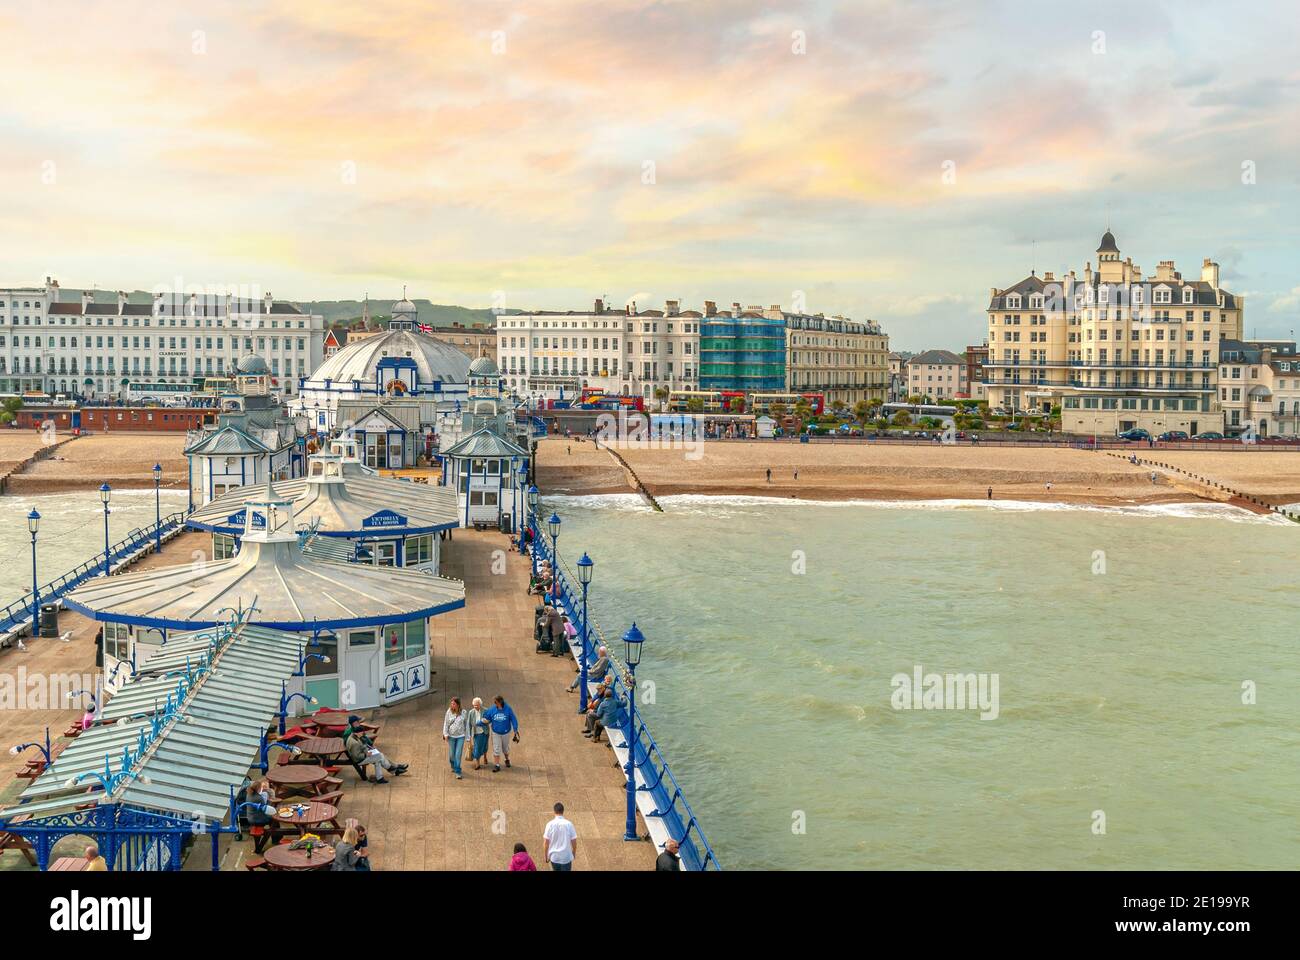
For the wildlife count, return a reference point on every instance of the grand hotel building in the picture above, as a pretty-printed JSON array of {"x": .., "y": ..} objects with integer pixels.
[
  {"x": 88, "y": 348},
  {"x": 1115, "y": 350}
]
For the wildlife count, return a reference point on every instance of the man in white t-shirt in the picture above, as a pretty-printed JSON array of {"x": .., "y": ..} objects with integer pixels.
[{"x": 560, "y": 841}]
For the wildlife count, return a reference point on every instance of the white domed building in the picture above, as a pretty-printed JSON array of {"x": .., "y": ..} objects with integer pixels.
[{"x": 403, "y": 362}]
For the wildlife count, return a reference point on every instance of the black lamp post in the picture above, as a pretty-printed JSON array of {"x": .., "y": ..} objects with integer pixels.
[
  {"x": 157, "y": 507},
  {"x": 34, "y": 524},
  {"x": 586, "y": 567},
  {"x": 105, "y": 492},
  {"x": 632, "y": 641}
]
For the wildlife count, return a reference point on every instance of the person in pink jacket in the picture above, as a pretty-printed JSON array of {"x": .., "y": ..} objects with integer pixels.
[{"x": 521, "y": 861}]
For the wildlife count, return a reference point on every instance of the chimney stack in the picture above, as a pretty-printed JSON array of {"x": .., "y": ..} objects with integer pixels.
[
  {"x": 672, "y": 307},
  {"x": 600, "y": 305},
  {"x": 1210, "y": 273},
  {"x": 121, "y": 302},
  {"x": 710, "y": 308},
  {"x": 266, "y": 302}
]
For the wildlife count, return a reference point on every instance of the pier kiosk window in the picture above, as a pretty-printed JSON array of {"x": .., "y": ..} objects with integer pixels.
[{"x": 322, "y": 679}]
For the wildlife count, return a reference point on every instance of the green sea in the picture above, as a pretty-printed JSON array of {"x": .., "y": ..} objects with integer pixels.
[{"x": 1125, "y": 642}]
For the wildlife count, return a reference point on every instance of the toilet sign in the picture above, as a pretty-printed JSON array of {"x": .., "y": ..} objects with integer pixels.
[
  {"x": 394, "y": 684},
  {"x": 415, "y": 678}
]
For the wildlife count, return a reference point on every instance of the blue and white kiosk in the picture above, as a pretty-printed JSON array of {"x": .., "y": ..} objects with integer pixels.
[
  {"x": 382, "y": 520},
  {"x": 364, "y": 629}
]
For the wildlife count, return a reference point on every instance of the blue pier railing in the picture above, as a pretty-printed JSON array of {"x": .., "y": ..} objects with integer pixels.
[
  {"x": 670, "y": 804},
  {"x": 20, "y": 610}
]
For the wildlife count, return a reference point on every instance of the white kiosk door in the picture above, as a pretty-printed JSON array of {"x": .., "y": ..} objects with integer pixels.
[{"x": 359, "y": 673}]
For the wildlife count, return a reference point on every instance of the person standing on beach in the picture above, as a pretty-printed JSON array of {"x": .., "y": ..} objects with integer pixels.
[
  {"x": 560, "y": 841},
  {"x": 1049, "y": 486},
  {"x": 990, "y": 493},
  {"x": 455, "y": 726},
  {"x": 796, "y": 473},
  {"x": 503, "y": 722},
  {"x": 769, "y": 474}
]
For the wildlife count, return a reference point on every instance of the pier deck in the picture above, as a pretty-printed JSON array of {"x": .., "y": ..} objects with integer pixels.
[{"x": 428, "y": 820}]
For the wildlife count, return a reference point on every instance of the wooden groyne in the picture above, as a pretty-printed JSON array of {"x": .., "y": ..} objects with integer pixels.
[
  {"x": 1238, "y": 498},
  {"x": 632, "y": 478}
]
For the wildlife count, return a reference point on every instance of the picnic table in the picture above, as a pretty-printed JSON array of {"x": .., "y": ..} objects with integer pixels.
[
  {"x": 280, "y": 857},
  {"x": 332, "y": 722},
  {"x": 322, "y": 748},
  {"x": 299, "y": 777},
  {"x": 69, "y": 864},
  {"x": 13, "y": 841},
  {"x": 313, "y": 814}
]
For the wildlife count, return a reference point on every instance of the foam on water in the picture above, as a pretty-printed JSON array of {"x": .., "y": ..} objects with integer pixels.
[{"x": 707, "y": 503}]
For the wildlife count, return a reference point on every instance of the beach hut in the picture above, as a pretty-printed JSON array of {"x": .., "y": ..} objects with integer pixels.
[
  {"x": 365, "y": 630},
  {"x": 766, "y": 427},
  {"x": 388, "y": 522}
]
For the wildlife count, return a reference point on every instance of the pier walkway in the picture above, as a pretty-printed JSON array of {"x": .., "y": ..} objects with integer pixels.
[{"x": 427, "y": 820}]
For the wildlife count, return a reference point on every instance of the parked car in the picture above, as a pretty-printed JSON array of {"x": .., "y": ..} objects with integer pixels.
[
  {"x": 1172, "y": 435},
  {"x": 1135, "y": 434},
  {"x": 1208, "y": 435}
]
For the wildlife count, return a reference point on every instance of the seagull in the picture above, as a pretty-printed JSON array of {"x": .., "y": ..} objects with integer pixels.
[
  {"x": 66, "y": 636},
  {"x": 21, "y": 645}
]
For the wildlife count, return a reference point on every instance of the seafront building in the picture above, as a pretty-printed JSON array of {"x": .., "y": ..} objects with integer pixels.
[
  {"x": 898, "y": 375},
  {"x": 936, "y": 374},
  {"x": 1259, "y": 387},
  {"x": 92, "y": 345},
  {"x": 555, "y": 354},
  {"x": 1114, "y": 349},
  {"x": 975, "y": 357},
  {"x": 399, "y": 362}
]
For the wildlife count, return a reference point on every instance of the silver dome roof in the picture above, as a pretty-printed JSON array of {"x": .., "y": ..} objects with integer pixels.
[
  {"x": 434, "y": 359},
  {"x": 253, "y": 365}
]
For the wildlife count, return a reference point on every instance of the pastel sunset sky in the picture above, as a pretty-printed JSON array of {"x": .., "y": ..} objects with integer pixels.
[{"x": 540, "y": 153}]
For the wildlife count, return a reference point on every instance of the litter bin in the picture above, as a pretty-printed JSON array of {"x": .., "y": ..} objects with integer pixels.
[
  {"x": 49, "y": 619},
  {"x": 507, "y": 523}
]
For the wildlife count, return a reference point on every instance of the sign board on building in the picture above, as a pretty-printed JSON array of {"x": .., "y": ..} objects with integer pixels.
[{"x": 383, "y": 518}]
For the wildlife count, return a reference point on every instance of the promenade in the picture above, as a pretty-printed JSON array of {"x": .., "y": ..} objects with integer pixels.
[{"x": 426, "y": 819}]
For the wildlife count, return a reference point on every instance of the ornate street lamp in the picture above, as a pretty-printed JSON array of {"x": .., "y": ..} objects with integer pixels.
[
  {"x": 553, "y": 525},
  {"x": 632, "y": 641},
  {"x": 157, "y": 507},
  {"x": 34, "y": 524},
  {"x": 105, "y": 493},
  {"x": 586, "y": 567}
]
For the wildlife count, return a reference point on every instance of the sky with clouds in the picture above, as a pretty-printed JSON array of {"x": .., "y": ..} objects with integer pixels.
[{"x": 882, "y": 160}]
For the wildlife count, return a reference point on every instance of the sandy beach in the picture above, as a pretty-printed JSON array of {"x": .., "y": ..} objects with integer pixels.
[
  {"x": 867, "y": 471},
  {"x": 123, "y": 460}
]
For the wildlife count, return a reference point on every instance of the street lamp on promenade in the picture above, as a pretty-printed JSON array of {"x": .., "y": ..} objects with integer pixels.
[
  {"x": 105, "y": 493},
  {"x": 533, "y": 497},
  {"x": 632, "y": 641},
  {"x": 34, "y": 524},
  {"x": 553, "y": 525},
  {"x": 586, "y": 567},
  {"x": 157, "y": 507}
]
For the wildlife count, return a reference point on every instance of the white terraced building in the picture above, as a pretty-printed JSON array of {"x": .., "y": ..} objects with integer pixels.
[
  {"x": 88, "y": 348},
  {"x": 544, "y": 354}
]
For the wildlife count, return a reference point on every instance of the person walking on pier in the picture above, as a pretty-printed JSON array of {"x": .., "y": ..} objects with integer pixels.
[
  {"x": 478, "y": 729},
  {"x": 504, "y": 723},
  {"x": 560, "y": 841},
  {"x": 521, "y": 862},
  {"x": 455, "y": 726}
]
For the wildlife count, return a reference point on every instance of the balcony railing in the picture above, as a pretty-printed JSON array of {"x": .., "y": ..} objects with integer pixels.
[
  {"x": 1105, "y": 365},
  {"x": 1081, "y": 385}
]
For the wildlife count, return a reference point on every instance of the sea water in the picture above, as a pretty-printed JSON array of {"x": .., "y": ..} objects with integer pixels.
[
  {"x": 1147, "y": 665},
  {"x": 71, "y": 531}
]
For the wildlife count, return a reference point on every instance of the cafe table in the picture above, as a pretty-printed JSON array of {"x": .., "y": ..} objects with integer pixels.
[{"x": 280, "y": 857}]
